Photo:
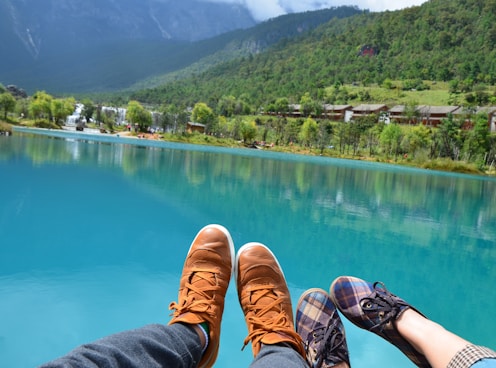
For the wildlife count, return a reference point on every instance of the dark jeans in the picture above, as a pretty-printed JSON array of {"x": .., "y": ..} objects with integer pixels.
[{"x": 173, "y": 346}]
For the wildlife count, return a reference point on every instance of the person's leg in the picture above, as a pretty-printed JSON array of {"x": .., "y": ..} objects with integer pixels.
[
  {"x": 266, "y": 303},
  {"x": 176, "y": 346},
  {"x": 319, "y": 325},
  {"x": 192, "y": 337},
  {"x": 426, "y": 343},
  {"x": 278, "y": 355},
  {"x": 441, "y": 347}
]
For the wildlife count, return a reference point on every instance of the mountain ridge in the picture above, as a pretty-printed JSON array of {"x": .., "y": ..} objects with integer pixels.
[
  {"x": 37, "y": 34},
  {"x": 84, "y": 56}
]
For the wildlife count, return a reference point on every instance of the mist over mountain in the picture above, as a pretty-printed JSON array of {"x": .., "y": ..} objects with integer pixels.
[{"x": 41, "y": 38}]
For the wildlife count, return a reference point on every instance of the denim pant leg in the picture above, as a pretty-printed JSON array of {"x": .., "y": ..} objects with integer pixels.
[
  {"x": 275, "y": 356},
  {"x": 175, "y": 346}
]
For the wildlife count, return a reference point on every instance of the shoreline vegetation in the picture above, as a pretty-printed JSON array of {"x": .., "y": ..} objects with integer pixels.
[
  {"x": 437, "y": 164},
  {"x": 461, "y": 142}
]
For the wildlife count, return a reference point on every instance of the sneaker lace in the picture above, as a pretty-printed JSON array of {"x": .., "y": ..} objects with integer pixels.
[
  {"x": 198, "y": 294},
  {"x": 266, "y": 315},
  {"x": 330, "y": 350},
  {"x": 386, "y": 305}
]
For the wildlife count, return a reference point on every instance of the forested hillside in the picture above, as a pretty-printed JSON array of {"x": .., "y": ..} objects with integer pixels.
[
  {"x": 245, "y": 43},
  {"x": 442, "y": 40}
]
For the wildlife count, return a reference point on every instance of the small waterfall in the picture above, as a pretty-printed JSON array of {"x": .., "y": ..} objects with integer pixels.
[
  {"x": 73, "y": 119},
  {"x": 118, "y": 112}
]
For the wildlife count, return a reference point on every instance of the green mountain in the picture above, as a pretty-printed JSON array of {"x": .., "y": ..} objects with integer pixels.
[{"x": 442, "y": 40}]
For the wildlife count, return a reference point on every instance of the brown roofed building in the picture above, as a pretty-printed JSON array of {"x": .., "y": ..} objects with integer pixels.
[
  {"x": 368, "y": 109},
  {"x": 335, "y": 112},
  {"x": 433, "y": 115}
]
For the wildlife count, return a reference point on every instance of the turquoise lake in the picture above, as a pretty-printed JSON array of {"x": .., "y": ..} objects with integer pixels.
[{"x": 94, "y": 232}]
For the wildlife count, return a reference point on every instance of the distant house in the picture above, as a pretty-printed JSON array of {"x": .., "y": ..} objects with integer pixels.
[
  {"x": 398, "y": 114},
  {"x": 335, "y": 112},
  {"x": 403, "y": 114},
  {"x": 368, "y": 109},
  {"x": 491, "y": 116},
  {"x": 195, "y": 127},
  {"x": 433, "y": 115},
  {"x": 295, "y": 110},
  {"x": 468, "y": 115}
]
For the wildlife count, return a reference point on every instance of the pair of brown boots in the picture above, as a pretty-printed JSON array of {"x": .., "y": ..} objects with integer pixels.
[{"x": 262, "y": 291}]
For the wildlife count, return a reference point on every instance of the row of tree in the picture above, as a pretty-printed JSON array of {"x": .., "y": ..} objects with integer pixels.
[
  {"x": 45, "y": 109},
  {"x": 364, "y": 136}
]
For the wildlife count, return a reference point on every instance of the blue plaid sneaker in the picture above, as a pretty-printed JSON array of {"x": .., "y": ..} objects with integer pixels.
[
  {"x": 373, "y": 308},
  {"x": 319, "y": 325}
]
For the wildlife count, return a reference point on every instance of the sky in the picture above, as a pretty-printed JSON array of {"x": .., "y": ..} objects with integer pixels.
[{"x": 265, "y": 9}]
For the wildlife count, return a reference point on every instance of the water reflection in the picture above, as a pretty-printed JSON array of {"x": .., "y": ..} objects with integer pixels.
[{"x": 75, "y": 205}]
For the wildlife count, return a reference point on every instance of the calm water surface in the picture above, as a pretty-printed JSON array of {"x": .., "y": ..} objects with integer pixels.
[{"x": 93, "y": 237}]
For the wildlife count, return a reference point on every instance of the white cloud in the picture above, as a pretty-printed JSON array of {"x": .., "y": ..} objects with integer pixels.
[{"x": 264, "y": 9}]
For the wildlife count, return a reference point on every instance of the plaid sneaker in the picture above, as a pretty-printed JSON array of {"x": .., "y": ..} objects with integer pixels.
[
  {"x": 206, "y": 274},
  {"x": 265, "y": 300},
  {"x": 319, "y": 325},
  {"x": 373, "y": 308}
]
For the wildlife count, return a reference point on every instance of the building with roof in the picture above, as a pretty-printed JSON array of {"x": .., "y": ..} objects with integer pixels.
[{"x": 335, "y": 112}]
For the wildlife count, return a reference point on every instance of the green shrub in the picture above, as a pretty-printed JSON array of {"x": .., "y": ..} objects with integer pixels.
[
  {"x": 451, "y": 166},
  {"x": 45, "y": 124},
  {"x": 4, "y": 127}
]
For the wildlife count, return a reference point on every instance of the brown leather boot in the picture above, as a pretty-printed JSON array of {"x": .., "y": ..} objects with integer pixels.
[
  {"x": 265, "y": 300},
  {"x": 204, "y": 281}
]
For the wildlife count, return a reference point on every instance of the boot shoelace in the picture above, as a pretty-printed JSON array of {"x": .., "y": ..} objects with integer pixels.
[
  {"x": 198, "y": 294},
  {"x": 330, "y": 349},
  {"x": 258, "y": 315},
  {"x": 383, "y": 303}
]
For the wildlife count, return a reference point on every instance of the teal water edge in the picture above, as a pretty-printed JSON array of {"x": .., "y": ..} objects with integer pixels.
[{"x": 94, "y": 231}]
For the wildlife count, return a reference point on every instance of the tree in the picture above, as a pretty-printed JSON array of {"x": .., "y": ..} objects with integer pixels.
[
  {"x": 447, "y": 138},
  {"x": 88, "y": 109},
  {"x": 390, "y": 139},
  {"x": 281, "y": 106},
  {"x": 372, "y": 137},
  {"x": 291, "y": 131},
  {"x": 61, "y": 109},
  {"x": 7, "y": 103},
  {"x": 309, "y": 132},
  {"x": 357, "y": 129},
  {"x": 172, "y": 118},
  {"x": 138, "y": 115},
  {"x": 41, "y": 106},
  {"x": 226, "y": 106},
  {"x": 108, "y": 118},
  {"x": 307, "y": 105},
  {"x": 324, "y": 135},
  {"x": 476, "y": 144},
  {"x": 203, "y": 114},
  {"x": 416, "y": 139},
  {"x": 248, "y": 131}
]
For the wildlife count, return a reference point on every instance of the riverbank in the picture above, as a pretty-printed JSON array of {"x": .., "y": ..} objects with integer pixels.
[
  {"x": 5, "y": 129},
  {"x": 147, "y": 139}
]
